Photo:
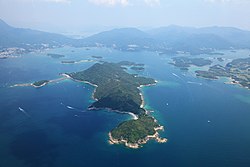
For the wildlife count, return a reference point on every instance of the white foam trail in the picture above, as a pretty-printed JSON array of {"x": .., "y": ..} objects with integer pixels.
[
  {"x": 135, "y": 117},
  {"x": 175, "y": 75},
  {"x": 24, "y": 112},
  {"x": 72, "y": 108},
  {"x": 197, "y": 83}
]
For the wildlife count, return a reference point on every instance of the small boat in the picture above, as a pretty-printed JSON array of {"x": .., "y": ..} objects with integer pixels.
[
  {"x": 208, "y": 121},
  {"x": 21, "y": 109},
  {"x": 69, "y": 107}
]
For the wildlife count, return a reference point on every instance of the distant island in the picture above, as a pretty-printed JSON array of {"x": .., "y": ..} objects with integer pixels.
[
  {"x": 55, "y": 56},
  {"x": 133, "y": 66},
  {"x": 76, "y": 61},
  {"x": 185, "y": 62},
  {"x": 97, "y": 57},
  {"x": 237, "y": 70},
  {"x": 129, "y": 63},
  {"x": 119, "y": 91},
  {"x": 41, "y": 83}
]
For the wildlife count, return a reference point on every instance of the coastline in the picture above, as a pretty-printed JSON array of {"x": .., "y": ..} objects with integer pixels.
[
  {"x": 86, "y": 82},
  {"x": 69, "y": 77},
  {"x": 139, "y": 143},
  {"x": 230, "y": 81},
  {"x": 142, "y": 98},
  {"x": 134, "y": 116},
  {"x": 112, "y": 140}
]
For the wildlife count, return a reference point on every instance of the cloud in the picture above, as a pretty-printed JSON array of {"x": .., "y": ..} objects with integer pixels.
[
  {"x": 49, "y": 1},
  {"x": 110, "y": 2},
  {"x": 58, "y": 1},
  {"x": 227, "y": 1},
  {"x": 152, "y": 2},
  {"x": 125, "y": 2}
]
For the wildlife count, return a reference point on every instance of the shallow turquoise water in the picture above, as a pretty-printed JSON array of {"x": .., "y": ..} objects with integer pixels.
[{"x": 54, "y": 135}]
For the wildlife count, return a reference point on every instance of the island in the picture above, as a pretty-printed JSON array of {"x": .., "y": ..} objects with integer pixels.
[
  {"x": 97, "y": 57},
  {"x": 55, "y": 56},
  {"x": 68, "y": 62},
  {"x": 237, "y": 70},
  {"x": 76, "y": 61},
  {"x": 40, "y": 83},
  {"x": 185, "y": 62},
  {"x": 119, "y": 91},
  {"x": 133, "y": 66}
]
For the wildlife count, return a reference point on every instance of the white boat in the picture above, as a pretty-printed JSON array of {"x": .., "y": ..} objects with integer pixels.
[{"x": 69, "y": 107}]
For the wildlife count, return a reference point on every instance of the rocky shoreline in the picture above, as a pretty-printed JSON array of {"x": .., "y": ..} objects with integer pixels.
[{"x": 140, "y": 142}]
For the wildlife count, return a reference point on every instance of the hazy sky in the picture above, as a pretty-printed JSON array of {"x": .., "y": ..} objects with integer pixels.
[{"x": 86, "y": 15}]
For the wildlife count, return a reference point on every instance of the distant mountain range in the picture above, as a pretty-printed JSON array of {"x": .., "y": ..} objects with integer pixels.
[
  {"x": 169, "y": 39},
  {"x": 20, "y": 37}
]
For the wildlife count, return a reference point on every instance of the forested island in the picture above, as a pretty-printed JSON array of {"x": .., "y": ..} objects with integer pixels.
[
  {"x": 136, "y": 132},
  {"x": 120, "y": 91},
  {"x": 185, "y": 62},
  {"x": 238, "y": 70},
  {"x": 40, "y": 83},
  {"x": 97, "y": 57},
  {"x": 133, "y": 66}
]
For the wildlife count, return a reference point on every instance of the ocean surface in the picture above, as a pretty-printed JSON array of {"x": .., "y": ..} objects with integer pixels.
[{"x": 207, "y": 123}]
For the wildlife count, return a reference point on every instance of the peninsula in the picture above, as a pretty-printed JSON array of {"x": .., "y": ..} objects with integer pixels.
[
  {"x": 237, "y": 70},
  {"x": 119, "y": 91}
]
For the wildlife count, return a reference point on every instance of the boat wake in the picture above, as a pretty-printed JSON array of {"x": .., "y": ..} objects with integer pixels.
[
  {"x": 73, "y": 108},
  {"x": 24, "y": 112},
  {"x": 197, "y": 83},
  {"x": 176, "y": 75}
]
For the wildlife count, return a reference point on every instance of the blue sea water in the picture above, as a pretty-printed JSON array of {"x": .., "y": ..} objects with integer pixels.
[{"x": 57, "y": 130}]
